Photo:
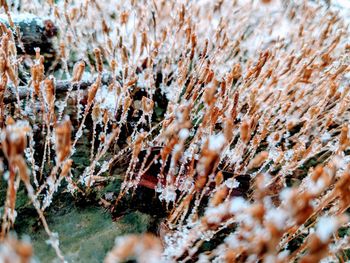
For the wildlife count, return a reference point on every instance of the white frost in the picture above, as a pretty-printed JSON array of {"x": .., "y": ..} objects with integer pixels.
[
  {"x": 326, "y": 227},
  {"x": 238, "y": 204},
  {"x": 216, "y": 142}
]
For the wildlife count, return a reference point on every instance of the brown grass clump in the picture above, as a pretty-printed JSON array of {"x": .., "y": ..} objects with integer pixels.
[{"x": 234, "y": 113}]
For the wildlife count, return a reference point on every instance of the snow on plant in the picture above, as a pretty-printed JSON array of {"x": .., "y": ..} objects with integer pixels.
[{"x": 236, "y": 113}]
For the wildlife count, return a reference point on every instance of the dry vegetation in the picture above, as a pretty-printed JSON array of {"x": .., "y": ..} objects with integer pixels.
[{"x": 235, "y": 113}]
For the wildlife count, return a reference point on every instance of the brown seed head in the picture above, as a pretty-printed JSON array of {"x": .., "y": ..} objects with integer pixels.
[{"x": 63, "y": 140}]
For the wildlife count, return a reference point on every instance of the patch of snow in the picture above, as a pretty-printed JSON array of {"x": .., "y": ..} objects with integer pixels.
[
  {"x": 232, "y": 183},
  {"x": 216, "y": 142},
  {"x": 238, "y": 204},
  {"x": 326, "y": 226},
  {"x": 278, "y": 217},
  {"x": 184, "y": 133}
]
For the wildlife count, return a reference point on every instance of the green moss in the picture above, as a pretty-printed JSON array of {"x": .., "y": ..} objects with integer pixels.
[
  {"x": 343, "y": 231},
  {"x": 86, "y": 235}
]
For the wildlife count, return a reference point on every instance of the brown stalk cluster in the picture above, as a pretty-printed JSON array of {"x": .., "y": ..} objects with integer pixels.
[{"x": 236, "y": 115}]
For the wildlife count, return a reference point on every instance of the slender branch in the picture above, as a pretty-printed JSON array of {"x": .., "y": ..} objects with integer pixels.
[{"x": 61, "y": 86}]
